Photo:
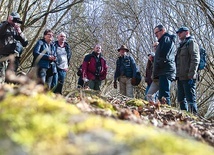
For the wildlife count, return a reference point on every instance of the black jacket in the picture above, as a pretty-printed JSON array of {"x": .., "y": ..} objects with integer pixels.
[
  {"x": 164, "y": 60},
  {"x": 9, "y": 39}
]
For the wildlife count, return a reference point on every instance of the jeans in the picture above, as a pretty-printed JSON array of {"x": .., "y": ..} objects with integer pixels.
[
  {"x": 46, "y": 79},
  {"x": 94, "y": 84},
  {"x": 187, "y": 95},
  {"x": 152, "y": 93},
  {"x": 164, "y": 88},
  {"x": 60, "y": 80},
  {"x": 146, "y": 91},
  {"x": 54, "y": 81}
]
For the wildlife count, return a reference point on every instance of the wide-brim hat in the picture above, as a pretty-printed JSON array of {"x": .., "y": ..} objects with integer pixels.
[{"x": 123, "y": 47}]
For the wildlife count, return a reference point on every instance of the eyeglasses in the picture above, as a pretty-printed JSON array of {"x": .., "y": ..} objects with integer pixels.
[
  {"x": 50, "y": 34},
  {"x": 157, "y": 32}
]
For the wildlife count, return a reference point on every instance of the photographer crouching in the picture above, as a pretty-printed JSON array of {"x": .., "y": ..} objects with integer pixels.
[{"x": 12, "y": 41}]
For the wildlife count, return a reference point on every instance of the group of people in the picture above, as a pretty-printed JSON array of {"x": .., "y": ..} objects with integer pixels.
[
  {"x": 51, "y": 57},
  {"x": 170, "y": 64},
  {"x": 165, "y": 64}
]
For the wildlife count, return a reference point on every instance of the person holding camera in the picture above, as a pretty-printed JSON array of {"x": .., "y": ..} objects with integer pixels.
[
  {"x": 44, "y": 57},
  {"x": 12, "y": 41}
]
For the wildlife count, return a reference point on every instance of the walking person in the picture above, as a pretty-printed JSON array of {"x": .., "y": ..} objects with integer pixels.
[
  {"x": 164, "y": 62},
  {"x": 63, "y": 54},
  {"x": 125, "y": 72},
  {"x": 187, "y": 61},
  {"x": 94, "y": 68},
  {"x": 44, "y": 57},
  {"x": 12, "y": 41}
]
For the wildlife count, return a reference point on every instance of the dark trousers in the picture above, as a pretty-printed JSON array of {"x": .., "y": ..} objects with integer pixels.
[
  {"x": 60, "y": 78},
  {"x": 45, "y": 77},
  {"x": 187, "y": 95},
  {"x": 164, "y": 88}
]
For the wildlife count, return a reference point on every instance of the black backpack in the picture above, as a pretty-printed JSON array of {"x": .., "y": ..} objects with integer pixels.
[{"x": 138, "y": 78}]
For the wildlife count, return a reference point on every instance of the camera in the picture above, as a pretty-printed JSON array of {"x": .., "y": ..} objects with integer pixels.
[{"x": 17, "y": 20}]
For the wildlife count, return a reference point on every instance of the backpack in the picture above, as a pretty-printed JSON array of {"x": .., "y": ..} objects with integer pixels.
[
  {"x": 138, "y": 78},
  {"x": 203, "y": 61}
]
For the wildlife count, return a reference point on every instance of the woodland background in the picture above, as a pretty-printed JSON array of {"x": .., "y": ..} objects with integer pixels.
[{"x": 113, "y": 23}]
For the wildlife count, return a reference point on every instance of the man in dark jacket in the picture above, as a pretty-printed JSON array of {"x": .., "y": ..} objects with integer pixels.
[
  {"x": 94, "y": 68},
  {"x": 125, "y": 72},
  {"x": 187, "y": 61},
  {"x": 12, "y": 41},
  {"x": 63, "y": 53},
  {"x": 164, "y": 62}
]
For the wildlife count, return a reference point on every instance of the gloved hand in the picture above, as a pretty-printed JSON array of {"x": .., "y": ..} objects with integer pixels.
[
  {"x": 191, "y": 81},
  {"x": 133, "y": 81},
  {"x": 85, "y": 79},
  {"x": 115, "y": 84}
]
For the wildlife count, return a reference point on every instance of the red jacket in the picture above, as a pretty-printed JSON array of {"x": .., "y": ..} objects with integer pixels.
[{"x": 89, "y": 67}]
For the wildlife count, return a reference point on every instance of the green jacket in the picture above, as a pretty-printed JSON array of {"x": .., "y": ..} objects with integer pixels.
[{"x": 187, "y": 59}]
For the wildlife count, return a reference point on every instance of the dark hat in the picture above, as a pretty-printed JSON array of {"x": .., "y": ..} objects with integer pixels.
[
  {"x": 152, "y": 54},
  {"x": 16, "y": 16},
  {"x": 182, "y": 29},
  {"x": 123, "y": 47}
]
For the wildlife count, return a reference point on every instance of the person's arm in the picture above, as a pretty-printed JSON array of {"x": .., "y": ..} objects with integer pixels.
[
  {"x": 3, "y": 27},
  {"x": 194, "y": 59},
  {"x": 20, "y": 35},
  {"x": 69, "y": 52},
  {"x": 117, "y": 70},
  {"x": 39, "y": 50},
  {"x": 134, "y": 67},
  {"x": 85, "y": 67}
]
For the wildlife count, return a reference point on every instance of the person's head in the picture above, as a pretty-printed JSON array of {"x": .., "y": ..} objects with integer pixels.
[
  {"x": 155, "y": 45},
  {"x": 151, "y": 56},
  {"x": 13, "y": 18},
  {"x": 182, "y": 33},
  {"x": 61, "y": 37},
  {"x": 97, "y": 49},
  {"x": 48, "y": 35},
  {"x": 159, "y": 31},
  {"x": 123, "y": 50}
]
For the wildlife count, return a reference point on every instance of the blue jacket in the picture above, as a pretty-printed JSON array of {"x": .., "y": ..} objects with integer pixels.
[
  {"x": 40, "y": 49},
  {"x": 164, "y": 60},
  {"x": 125, "y": 66}
]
